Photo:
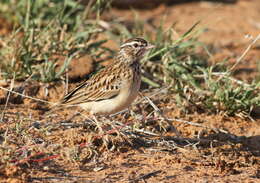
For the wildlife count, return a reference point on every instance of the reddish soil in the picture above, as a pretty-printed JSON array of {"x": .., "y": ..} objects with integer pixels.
[{"x": 220, "y": 158}]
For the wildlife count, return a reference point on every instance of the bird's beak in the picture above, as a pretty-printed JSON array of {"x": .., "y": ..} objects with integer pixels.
[{"x": 150, "y": 46}]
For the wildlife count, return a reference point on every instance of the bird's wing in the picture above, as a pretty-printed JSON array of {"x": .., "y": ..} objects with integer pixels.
[{"x": 102, "y": 86}]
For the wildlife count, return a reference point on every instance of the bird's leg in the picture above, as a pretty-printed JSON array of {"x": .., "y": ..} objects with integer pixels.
[
  {"x": 74, "y": 115},
  {"x": 120, "y": 133},
  {"x": 116, "y": 129},
  {"x": 111, "y": 123},
  {"x": 103, "y": 134},
  {"x": 97, "y": 123}
]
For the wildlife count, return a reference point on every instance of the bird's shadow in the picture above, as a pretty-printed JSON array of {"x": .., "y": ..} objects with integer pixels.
[{"x": 250, "y": 144}]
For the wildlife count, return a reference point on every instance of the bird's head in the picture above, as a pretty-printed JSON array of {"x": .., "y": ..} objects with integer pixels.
[{"x": 133, "y": 50}]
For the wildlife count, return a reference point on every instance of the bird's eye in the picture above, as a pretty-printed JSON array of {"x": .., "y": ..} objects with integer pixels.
[{"x": 135, "y": 45}]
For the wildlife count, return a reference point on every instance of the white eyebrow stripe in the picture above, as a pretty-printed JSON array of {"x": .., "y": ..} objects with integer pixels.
[{"x": 129, "y": 44}]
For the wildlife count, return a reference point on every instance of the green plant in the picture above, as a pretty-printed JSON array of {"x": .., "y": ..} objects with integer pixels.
[
  {"x": 51, "y": 29},
  {"x": 194, "y": 81}
]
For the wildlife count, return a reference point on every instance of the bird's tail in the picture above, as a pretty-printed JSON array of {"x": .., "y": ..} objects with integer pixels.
[
  {"x": 54, "y": 107},
  {"x": 57, "y": 106}
]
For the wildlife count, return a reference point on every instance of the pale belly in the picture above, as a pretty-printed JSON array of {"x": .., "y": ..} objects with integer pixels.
[{"x": 114, "y": 105}]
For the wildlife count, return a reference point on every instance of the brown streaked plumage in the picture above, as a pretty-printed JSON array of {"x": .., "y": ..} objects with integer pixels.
[{"x": 116, "y": 86}]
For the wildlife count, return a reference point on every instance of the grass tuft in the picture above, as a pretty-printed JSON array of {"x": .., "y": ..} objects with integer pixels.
[{"x": 31, "y": 50}]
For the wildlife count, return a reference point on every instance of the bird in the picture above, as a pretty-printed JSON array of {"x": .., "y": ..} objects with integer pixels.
[{"x": 115, "y": 87}]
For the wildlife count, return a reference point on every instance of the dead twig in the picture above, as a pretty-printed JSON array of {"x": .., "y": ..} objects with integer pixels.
[
  {"x": 240, "y": 58},
  {"x": 158, "y": 111},
  {"x": 7, "y": 99},
  {"x": 26, "y": 96},
  {"x": 216, "y": 130},
  {"x": 146, "y": 176}
]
